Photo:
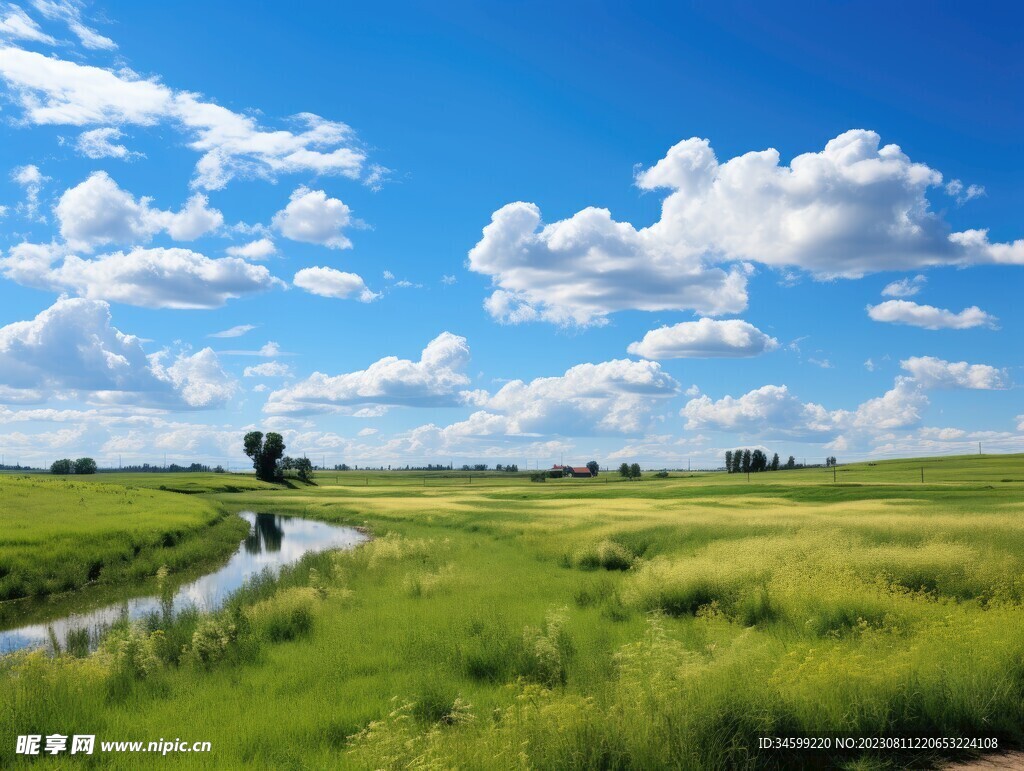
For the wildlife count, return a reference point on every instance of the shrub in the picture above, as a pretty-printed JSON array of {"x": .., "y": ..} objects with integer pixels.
[
  {"x": 605, "y": 554},
  {"x": 548, "y": 650},
  {"x": 287, "y": 615},
  {"x": 211, "y": 640}
]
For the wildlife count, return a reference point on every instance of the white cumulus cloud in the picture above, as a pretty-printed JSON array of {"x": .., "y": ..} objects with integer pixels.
[
  {"x": 704, "y": 339},
  {"x": 436, "y": 380},
  {"x": 328, "y": 282},
  {"x": 151, "y": 278},
  {"x": 98, "y": 211},
  {"x": 312, "y": 217},
  {"x": 260, "y": 249},
  {"x": 577, "y": 271},
  {"x": 932, "y": 372},
  {"x": 930, "y": 317},
  {"x": 775, "y": 411},
  {"x": 853, "y": 208},
  {"x": 72, "y": 347}
]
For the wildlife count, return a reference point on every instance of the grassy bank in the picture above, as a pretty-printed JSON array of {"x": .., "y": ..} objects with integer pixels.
[
  {"x": 580, "y": 624},
  {"x": 61, "y": 533}
]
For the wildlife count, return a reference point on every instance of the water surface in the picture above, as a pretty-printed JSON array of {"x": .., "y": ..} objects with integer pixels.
[{"x": 273, "y": 541}]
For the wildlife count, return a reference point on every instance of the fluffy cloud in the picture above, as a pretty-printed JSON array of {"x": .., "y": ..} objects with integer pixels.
[
  {"x": 103, "y": 143},
  {"x": 98, "y": 212},
  {"x": 769, "y": 408},
  {"x": 611, "y": 397},
  {"x": 931, "y": 372},
  {"x": 72, "y": 347},
  {"x": 312, "y": 217},
  {"x": 576, "y": 271},
  {"x": 151, "y": 278},
  {"x": 930, "y": 317},
  {"x": 260, "y": 249},
  {"x": 52, "y": 91},
  {"x": 606, "y": 399},
  {"x": 855, "y": 207},
  {"x": 704, "y": 339},
  {"x": 899, "y": 407},
  {"x": 328, "y": 282},
  {"x": 436, "y": 380},
  {"x": 906, "y": 287},
  {"x": 774, "y": 410},
  {"x": 198, "y": 377}
]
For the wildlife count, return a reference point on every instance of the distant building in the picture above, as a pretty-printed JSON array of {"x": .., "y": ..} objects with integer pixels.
[{"x": 571, "y": 471}]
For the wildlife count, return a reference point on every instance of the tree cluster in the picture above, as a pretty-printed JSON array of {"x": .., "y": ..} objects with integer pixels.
[
  {"x": 303, "y": 468},
  {"x": 630, "y": 471},
  {"x": 68, "y": 466},
  {"x": 747, "y": 461}
]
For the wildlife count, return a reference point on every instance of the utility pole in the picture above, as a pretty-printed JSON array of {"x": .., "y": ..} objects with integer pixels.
[
  {"x": 833, "y": 475},
  {"x": 922, "y": 474}
]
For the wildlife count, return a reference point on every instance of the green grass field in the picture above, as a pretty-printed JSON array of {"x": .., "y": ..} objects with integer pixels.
[
  {"x": 498, "y": 623},
  {"x": 61, "y": 533}
]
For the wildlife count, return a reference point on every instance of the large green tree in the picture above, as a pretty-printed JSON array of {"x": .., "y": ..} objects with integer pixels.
[
  {"x": 62, "y": 466},
  {"x": 594, "y": 467},
  {"x": 85, "y": 466},
  {"x": 265, "y": 453}
]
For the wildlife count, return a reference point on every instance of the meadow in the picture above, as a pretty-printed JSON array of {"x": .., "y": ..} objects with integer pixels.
[
  {"x": 498, "y": 623},
  {"x": 62, "y": 533}
]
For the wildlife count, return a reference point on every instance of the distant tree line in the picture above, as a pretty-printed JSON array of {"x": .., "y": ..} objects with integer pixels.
[
  {"x": 173, "y": 468},
  {"x": 747, "y": 461}
]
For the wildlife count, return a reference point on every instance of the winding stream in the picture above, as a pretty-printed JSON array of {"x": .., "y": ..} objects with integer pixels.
[{"x": 273, "y": 541}]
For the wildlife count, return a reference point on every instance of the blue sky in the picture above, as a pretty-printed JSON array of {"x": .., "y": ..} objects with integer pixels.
[{"x": 661, "y": 280}]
